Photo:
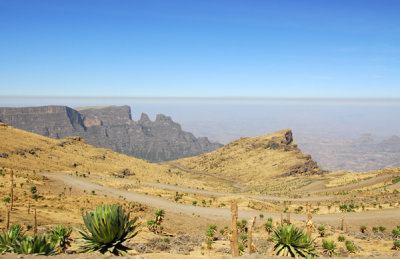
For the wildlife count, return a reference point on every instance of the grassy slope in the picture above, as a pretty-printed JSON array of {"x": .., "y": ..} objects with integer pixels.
[
  {"x": 29, "y": 151},
  {"x": 251, "y": 160}
]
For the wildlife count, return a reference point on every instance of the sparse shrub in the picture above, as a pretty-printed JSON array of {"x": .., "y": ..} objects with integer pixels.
[
  {"x": 210, "y": 232},
  {"x": 242, "y": 225},
  {"x": 194, "y": 203},
  {"x": 290, "y": 241},
  {"x": 34, "y": 196},
  {"x": 152, "y": 225},
  {"x": 159, "y": 216},
  {"x": 241, "y": 248},
  {"x": 224, "y": 231},
  {"x": 106, "y": 229},
  {"x": 329, "y": 247},
  {"x": 350, "y": 246},
  {"x": 261, "y": 216},
  {"x": 382, "y": 228},
  {"x": 341, "y": 238},
  {"x": 396, "y": 245},
  {"x": 178, "y": 196},
  {"x": 33, "y": 189},
  {"x": 363, "y": 228},
  {"x": 61, "y": 236},
  {"x": 268, "y": 225},
  {"x": 243, "y": 237},
  {"x": 166, "y": 239},
  {"x": 375, "y": 229},
  {"x": 299, "y": 209},
  {"x": 396, "y": 233},
  {"x": 343, "y": 207},
  {"x": 321, "y": 230}
]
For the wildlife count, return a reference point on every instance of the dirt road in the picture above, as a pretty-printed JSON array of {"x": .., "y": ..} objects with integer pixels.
[
  {"x": 212, "y": 193},
  {"x": 388, "y": 217}
]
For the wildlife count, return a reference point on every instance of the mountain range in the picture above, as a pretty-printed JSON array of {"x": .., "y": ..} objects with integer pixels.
[{"x": 111, "y": 127}]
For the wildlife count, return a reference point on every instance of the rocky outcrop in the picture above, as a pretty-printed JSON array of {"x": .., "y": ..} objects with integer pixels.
[
  {"x": 106, "y": 115},
  {"x": 50, "y": 121},
  {"x": 111, "y": 127}
]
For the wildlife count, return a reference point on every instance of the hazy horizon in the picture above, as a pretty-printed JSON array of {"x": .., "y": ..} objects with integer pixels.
[{"x": 225, "y": 119}]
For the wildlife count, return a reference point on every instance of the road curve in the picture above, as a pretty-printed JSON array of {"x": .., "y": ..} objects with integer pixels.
[{"x": 389, "y": 216}]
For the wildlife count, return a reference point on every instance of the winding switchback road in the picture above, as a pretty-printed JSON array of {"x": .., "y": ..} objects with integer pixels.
[{"x": 388, "y": 216}]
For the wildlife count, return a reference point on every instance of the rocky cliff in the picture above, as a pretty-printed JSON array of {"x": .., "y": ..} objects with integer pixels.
[{"x": 111, "y": 127}]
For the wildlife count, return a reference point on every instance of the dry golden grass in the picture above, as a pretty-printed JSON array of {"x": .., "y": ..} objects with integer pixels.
[
  {"x": 245, "y": 160},
  {"x": 249, "y": 160},
  {"x": 29, "y": 151}
]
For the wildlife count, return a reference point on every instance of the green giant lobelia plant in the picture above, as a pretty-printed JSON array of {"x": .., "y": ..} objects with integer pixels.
[
  {"x": 290, "y": 241},
  {"x": 106, "y": 229}
]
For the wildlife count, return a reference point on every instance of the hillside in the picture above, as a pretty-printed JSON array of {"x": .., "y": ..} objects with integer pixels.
[
  {"x": 295, "y": 182},
  {"x": 23, "y": 150},
  {"x": 111, "y": 127},
  {"x": 253, "y": 160}
]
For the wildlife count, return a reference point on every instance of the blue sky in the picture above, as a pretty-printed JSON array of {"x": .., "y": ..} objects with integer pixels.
[{"x": 204, "y": 48}]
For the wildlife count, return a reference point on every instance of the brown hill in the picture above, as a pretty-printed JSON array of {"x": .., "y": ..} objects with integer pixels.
[
  {"x": 23, "y": 150},
  {"x": 252, "y": 160}
]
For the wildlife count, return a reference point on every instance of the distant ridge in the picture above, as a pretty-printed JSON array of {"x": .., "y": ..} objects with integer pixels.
[{"x": 111, "y": 127}]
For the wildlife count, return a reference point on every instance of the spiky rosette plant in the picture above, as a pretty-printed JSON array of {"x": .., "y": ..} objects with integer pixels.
[
  {"x": 290, "y": 241},
  {"x": 9, "y": 239},
  {"x": 37, "y": 244},
  {"x": 61, "y": 236},
  {"x": 159, "y": 216},
  {"x": 329, "y": 247},
  {"x": 268, "y": 225},
  {"x": 106, "y": 229}
]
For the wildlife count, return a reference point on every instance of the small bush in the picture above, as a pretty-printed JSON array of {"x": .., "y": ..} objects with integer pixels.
[
  {"x": 396, "y": 245},
  {"x": 341, "y": 238},
  {"x": 363, "y": 228},
  {"x": 329, "y": 247},
  {"x": 33, "y": 189},
  {"x": 321, "y": 230},
  {"x": 350, "y": 246},
  {"x": 396, "y": 233},
  {"x": 382, "y": 228},
  {"x": 60, "y": 235},
  {"x": 268, "y": 225}
]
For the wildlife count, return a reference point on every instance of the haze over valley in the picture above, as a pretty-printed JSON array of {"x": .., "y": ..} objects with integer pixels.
[{"x": 341, "y": 134}]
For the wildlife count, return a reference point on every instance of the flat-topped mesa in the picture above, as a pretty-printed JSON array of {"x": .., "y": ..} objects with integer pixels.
[
  {"x": 111, "y": 127},
  {"x": 50, "y": 121},
  {"x": 106, "y": 115}
]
